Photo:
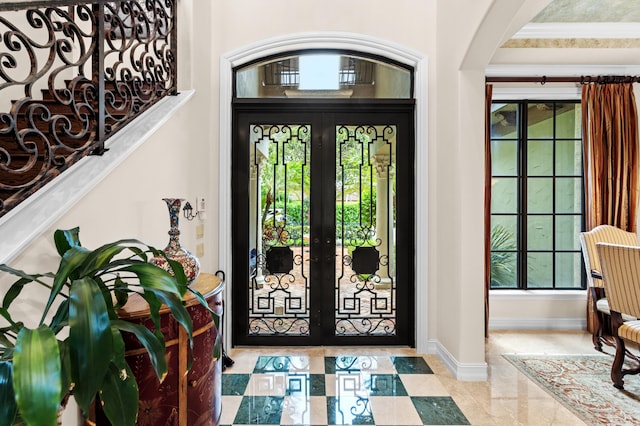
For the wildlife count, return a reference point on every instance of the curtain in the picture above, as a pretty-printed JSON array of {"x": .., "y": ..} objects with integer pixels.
[
  {"x": 610, "y": 139},
  {"x": 487, "y": 204},
  {"x": 610, "y": 145}
]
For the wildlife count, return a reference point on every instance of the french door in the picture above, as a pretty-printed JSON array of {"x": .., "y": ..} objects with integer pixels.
[{"x": 323, "y": 223}]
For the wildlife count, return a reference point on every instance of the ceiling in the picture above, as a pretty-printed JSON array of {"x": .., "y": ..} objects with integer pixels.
[
  {"x": 582, "y": 23},
  {"x": 587, "y": 11}
]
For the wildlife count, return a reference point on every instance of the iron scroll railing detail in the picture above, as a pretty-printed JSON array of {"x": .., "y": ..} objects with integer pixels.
[{"x": 71, "y": 75}]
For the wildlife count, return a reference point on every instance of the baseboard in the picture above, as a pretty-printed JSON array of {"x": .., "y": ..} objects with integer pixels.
[
  {"x": 466, "y": 372},
  {"x": 475, "y": 372},
  {"x": 520, "y": 323}
]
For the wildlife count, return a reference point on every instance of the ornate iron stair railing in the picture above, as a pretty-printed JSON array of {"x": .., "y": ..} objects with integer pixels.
[{"x": 73, "y": 73}]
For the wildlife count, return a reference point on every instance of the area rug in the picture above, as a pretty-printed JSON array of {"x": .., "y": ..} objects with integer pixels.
[{"x": 582, "y": 383}]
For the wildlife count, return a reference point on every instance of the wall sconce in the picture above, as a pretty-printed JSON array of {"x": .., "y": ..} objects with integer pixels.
[{"x": 187, "y": 210}]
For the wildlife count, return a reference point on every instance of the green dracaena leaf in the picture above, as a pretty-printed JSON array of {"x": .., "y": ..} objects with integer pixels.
[
  {"x": 108, "y": 299},
  {"x": 178, "y": 271},
  {"x": 65, "y": 362},
  {"x": 154, "y": 346},
  {"x": 201, "y": 299},
  {"x": 142, "y": 254},
  {"x": 8, "y": 407},
  {"x": 36, "y": 376},
  {"x": 14, "y": 291},
  {"x": 4, "y": 313},
  {"x": 103, "y": 256},
  {"x": 217, "y": 347},
  {"x": 178, "y": 310},
  {"x": 154, "y": 310},
  {"x": 90, "y": 340},
  {"x": 6, "y": 345},
  {"x": 100, "y": 257},
  {"x": 176, "y": 267},
  {"x": 65, "y": 239},
  {"x": 119, "y": 348},
  {"x": 120, "y": 291},
  {"x": 72, "y": 259},
  {"x": 152, "y": 277},
  {"x": 16, "y": 288},
  {"x": 181, "y": 315},
  {"x": 61, "y": 317},
  {"x": 119, "y": 396}
]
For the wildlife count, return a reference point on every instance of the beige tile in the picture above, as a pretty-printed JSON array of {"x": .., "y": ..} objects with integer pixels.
[
  {"x": 230, "y": 405},
  {"x": 316, "y": 365},
  {"x": 299, "y": 363},
  {"x": 270, "y": 384},
  {"x": 304, "y": 410},
  {"x": 368, "y": 351},
  {"x": 244, "y": 361},
  {"x": 423, "y": 385},
  {"x": 390, "y": 410}
]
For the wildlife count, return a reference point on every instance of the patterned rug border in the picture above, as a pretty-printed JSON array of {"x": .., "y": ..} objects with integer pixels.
[{"x": 582, "y": 384}]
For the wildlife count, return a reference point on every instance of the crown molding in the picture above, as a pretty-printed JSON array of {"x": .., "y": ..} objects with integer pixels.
[
  {"x": 563, "y": 30},
  {"x": 568, "y": 70}
]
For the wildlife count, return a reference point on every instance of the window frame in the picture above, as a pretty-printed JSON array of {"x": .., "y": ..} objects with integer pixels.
[{"x": 522, "y": 214}]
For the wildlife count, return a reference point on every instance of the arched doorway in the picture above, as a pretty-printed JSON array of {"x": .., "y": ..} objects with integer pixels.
[{"x": 323, "y": 114}]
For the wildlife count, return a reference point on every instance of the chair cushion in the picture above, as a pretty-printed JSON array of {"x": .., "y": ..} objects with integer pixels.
[
  {"x": 602, "y": 305},
  {"x": 630, "y": 330}
]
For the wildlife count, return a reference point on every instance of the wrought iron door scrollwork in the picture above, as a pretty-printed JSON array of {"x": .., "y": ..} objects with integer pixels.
[
  {"x": 365, "y": 285},
  {"x": 279, "y": 287}
]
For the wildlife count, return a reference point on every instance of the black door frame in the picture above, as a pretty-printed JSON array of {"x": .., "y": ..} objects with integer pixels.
[{"x": 357, "y": 111}]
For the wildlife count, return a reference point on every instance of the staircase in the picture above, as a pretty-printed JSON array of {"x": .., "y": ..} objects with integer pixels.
[{"x": 41, "y": 138}]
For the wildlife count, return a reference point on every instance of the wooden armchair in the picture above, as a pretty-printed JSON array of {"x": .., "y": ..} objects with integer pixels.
[
  {"x": 599, "y": 303},
  {"x": 621, "y": 276}
]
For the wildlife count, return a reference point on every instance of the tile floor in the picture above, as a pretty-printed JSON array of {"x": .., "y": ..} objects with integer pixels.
[{"x": 390, "y": 386}]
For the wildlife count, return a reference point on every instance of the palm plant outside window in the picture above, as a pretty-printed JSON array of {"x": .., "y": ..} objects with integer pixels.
[{"x": 536, "y": 195}]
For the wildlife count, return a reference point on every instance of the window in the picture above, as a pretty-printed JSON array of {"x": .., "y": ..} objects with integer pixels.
[
  {"x": 322, "y": 73},
  {"x": 536, "y": 195}
]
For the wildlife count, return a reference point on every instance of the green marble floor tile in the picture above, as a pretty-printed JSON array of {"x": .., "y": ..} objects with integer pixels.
[
  {"x": 306, "y": 385},
  {"x": 259, "y": 410},
  {"x": 411, "y": 365},
  {"x": 438, "y": 410},
  {"x": 385, "y": 385},
  {"x": 349, "y": 411},
  {"x": 234, "y": 384}
]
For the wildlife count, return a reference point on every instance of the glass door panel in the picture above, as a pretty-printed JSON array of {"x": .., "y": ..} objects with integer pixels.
[
  {"x": 365, "y": 285},
  {"x": 279, "y": 221}
]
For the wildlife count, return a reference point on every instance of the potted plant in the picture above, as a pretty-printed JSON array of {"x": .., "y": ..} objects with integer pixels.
[{"x": 77, "y": 347}]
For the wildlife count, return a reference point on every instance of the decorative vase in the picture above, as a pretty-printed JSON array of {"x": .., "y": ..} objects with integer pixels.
[{"x": 174, "y": 250}]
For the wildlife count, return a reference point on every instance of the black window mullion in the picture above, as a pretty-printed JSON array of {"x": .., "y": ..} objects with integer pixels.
[
  {"x": 553, "y": 199},
  {"x": 523, "y": 173}
]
